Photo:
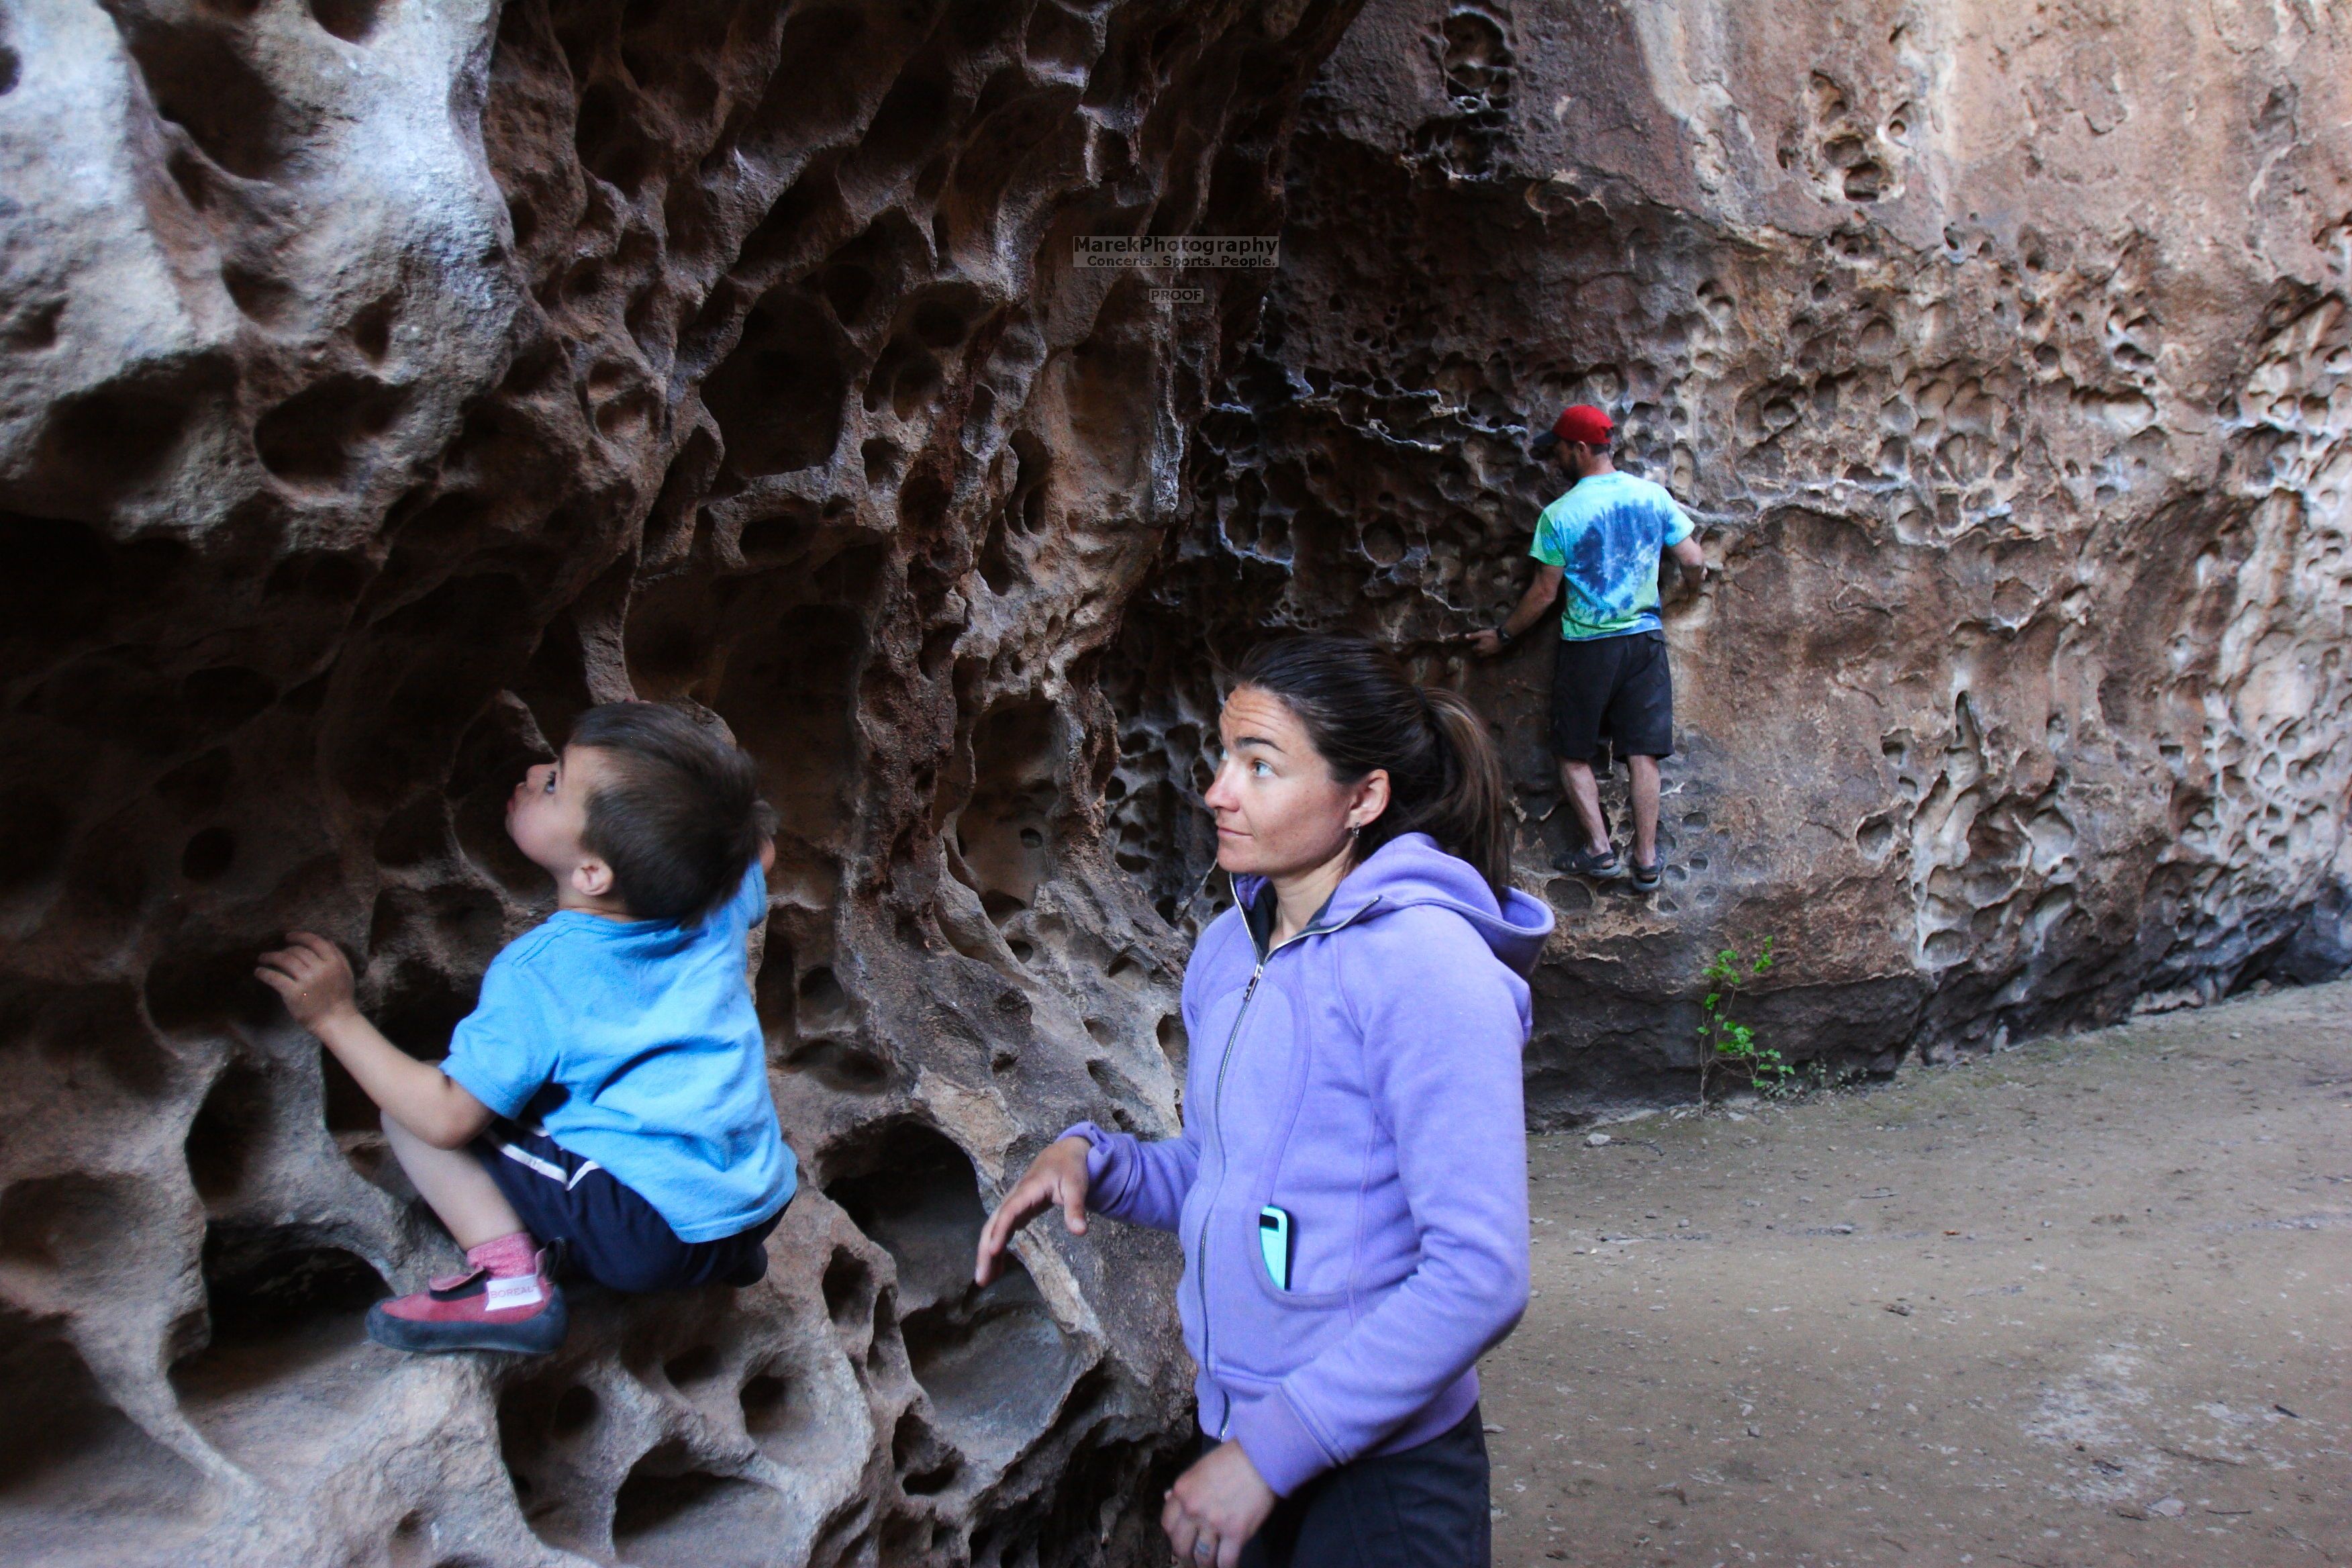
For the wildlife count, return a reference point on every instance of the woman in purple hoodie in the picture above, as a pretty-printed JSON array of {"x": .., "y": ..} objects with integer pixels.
[{"x": 1350, "y": 1185}]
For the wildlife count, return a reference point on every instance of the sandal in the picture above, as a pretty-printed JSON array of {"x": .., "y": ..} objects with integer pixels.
[
  {"x": 1601, "y": 865},
  {"x": 1647, "y": 878}
]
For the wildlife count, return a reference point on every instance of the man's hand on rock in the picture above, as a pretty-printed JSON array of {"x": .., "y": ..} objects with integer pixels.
[{"x": 1486, "y": 643}]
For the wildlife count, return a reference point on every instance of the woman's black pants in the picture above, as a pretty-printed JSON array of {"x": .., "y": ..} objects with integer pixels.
[{"x": 1422, "y": 1507}]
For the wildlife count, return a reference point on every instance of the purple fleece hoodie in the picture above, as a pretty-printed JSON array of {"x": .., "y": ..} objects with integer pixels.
[{"x": 1363, "y": 1075}]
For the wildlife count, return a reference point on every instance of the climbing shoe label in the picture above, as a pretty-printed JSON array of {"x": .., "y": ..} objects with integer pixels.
[{"x": 519, "y": 1291}]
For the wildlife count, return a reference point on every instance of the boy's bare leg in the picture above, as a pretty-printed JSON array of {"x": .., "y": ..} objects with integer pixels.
[
  {"x": 1584, "y": 790},
  {"x": 452, "y": 1183},
  {"x": 1645, "y": 809}
]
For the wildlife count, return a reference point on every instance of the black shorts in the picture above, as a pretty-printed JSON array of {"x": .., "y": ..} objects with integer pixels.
[
  {"x": 1423, "y": 1508},
  {"x": 609, "y": 1233},
  {"x": 1616, "y": 692}
]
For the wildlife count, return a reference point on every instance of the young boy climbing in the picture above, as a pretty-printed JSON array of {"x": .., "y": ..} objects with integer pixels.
[{"x": 605, "y": 1105}]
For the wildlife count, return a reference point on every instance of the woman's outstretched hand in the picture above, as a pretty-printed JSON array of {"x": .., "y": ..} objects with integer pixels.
[
  {"x": 1215, "y": 1507},
  {"x": 1057, "y": 1176}
]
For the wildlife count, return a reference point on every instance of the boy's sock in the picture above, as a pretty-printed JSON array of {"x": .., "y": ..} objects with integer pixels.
[
  {"x": 505, "y": 1255},
  {"x": 505, "y": 1300}
]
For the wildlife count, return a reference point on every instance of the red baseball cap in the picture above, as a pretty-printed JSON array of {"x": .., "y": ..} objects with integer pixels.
[{"x": 1582, "y": 423}]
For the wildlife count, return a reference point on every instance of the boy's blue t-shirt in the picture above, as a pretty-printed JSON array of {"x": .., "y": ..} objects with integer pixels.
[
  {"x": 1606, "y": 533},
  {"x": 634, "y": 1043}
]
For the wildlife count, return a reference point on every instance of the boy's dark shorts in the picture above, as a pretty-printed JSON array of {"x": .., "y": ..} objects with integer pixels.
[
  {"x": 608, "y": 1232},
  {"x": 1612, "y": 691}
]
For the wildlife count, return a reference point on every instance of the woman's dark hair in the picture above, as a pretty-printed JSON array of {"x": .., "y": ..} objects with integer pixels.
[
  {"x": 1362, "y": 712},
  {"x": 680, "y": 817}
]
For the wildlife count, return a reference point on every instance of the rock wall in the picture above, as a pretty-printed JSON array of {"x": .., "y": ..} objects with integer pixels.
[
  {"x": 383, "y": 382},
  {"x": 2002, "y": 355}
]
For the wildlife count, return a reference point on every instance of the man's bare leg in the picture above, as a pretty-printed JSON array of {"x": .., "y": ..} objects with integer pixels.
[
  {"x": 1645, "y": 809},
  {"x": 1584, "y": 791},
  {"x": 452, "y": 1183}
]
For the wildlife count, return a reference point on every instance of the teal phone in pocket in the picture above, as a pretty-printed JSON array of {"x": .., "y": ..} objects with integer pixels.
[{"x": 1274, "y": 1243}]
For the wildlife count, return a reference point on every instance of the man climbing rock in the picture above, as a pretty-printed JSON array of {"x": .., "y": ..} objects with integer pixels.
[{"x": 1611, "y": 685}]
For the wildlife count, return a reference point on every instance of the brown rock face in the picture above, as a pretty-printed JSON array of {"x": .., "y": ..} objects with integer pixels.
[
  {"x": 2004, "y": 359},
  {"x": 382, "y": 382},
  {"x": 381, "y": 385}
]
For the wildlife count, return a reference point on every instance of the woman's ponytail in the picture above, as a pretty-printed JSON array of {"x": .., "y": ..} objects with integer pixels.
[
  {"x": 1470, "y": 818},
  {"x": 1363, "y": 711}
]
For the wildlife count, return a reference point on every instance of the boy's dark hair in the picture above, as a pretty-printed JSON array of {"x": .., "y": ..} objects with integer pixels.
[{"x": 680, "y": 817}]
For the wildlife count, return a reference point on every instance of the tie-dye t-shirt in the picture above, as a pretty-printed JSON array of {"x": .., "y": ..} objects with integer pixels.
[{"x": 1606, "y": 533}]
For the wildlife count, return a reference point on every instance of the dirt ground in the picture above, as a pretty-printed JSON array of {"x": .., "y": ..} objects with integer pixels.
[{"x": 2085, "y": 1302}]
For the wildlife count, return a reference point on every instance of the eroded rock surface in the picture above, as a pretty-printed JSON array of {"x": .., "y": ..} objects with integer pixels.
[
  {"x": 382, "y": 382},
  {"x": 2003, "y": 354}
]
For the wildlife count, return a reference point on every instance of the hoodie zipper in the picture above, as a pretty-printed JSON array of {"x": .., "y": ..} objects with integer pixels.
[{"x": 1216, "y": 1106}]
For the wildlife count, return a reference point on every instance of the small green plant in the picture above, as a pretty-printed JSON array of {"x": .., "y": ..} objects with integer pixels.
[{"x": 1728, "y": 1047}]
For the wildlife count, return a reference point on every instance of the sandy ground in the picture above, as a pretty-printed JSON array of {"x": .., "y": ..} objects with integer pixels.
[{"x": 2086, "y": 1303}]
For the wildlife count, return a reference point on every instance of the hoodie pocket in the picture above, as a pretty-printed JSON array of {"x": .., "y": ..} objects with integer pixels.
[
  {"x": 1323, "y": 1241},
  {"x": 1298, "y": 1298},
  {"x": 1263, "y": 1332}
]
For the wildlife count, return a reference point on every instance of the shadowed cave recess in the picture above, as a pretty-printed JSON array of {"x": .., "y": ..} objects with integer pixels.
[{"x": 387, "y": 383}]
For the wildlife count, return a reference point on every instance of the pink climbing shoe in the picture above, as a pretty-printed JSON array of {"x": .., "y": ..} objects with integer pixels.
[{"x": 477, "y": 1310}]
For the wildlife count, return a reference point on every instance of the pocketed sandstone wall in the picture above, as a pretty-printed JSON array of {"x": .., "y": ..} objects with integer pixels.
[
  {"x": 380, "y": 384},
  {"x": 2003, "y": 356}
]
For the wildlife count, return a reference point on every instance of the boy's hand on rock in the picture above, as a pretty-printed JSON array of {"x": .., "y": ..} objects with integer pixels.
[
  {"x": 311, "y": 976},
  {"x": 1057, "y": 1176}
]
